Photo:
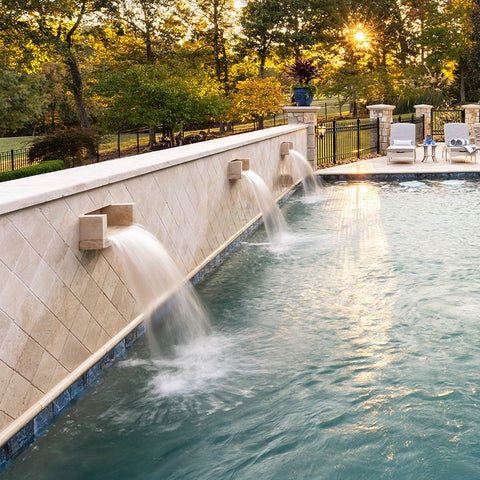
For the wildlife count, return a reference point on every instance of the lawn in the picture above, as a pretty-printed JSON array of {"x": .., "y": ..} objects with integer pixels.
[{"x": 14, "y": 143}]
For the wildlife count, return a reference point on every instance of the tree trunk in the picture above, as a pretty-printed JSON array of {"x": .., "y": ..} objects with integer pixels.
[
  {"x": 215, "y": 40},
  {"x": 151, "y": 137},
  {"x": 260, "y": 122},
  {"x": 77, "y": 90},
  {"x": 461, "y": 68}
]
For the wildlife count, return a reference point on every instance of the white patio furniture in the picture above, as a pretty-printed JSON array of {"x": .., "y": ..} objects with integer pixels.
[
  {"x": 457, "y": 142},
  {"x": 402, "y": 142}
]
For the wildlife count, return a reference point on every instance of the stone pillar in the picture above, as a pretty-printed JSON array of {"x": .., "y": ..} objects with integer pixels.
[
  {"x": 472, "y": 115},
  {"x": 307, "y": 115},
  {"x": 426, "y": 111},
  {"x": 384, "y": 113}
]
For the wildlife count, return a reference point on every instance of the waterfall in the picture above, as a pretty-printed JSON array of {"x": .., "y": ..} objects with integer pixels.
[
  {"x": 153, "y": 277},
  {"x": 304, "y": 170},
  {"x": 275, "y": 224}
]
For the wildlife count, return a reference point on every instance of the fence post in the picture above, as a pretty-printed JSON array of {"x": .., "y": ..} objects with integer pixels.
[
  {"x": 378, "y": 135},
  {"x": 13, "y": 158},
  {"x": 384, "y": 115},
  {"x": 118, "y": 143},
  {"x": 307, "y": 115},
  {"x": 358, "y": 137},
  {"x": 138, "y": 143},
  {"x": 326, "y": 111},
  {"x": 334, "y": 141},
  {"x": 426, "y": 112},
  {"x": 472, "y": 114}
]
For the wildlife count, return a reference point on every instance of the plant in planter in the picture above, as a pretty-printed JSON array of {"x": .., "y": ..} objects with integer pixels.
[{"x": 303, "y": 71}]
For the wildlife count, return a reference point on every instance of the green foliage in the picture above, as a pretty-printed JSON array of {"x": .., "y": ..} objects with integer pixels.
[
  {"x": 71, "y": 146},
  {"x": 21, "y": 99},
  {"x": 43, "y": 167},
  {"x": 152, "y": 95}
]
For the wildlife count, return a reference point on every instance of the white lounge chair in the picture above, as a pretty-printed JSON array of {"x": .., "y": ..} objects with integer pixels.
[
  {"x": 457, "y": 142},
  {"x": 402, "y": 142}
]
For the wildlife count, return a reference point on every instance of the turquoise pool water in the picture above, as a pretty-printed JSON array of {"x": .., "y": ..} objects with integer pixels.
[{"x": 351, "y": 351}]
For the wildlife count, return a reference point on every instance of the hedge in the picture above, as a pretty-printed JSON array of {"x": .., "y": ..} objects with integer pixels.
[{"x": 43, "y": 167}]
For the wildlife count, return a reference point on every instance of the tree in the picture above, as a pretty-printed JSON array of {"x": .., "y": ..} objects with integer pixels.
[
  {"x": 160, "y": 23},
  {"x": 152, "y": 95},
  {"x": 261, "y": 22},
  {"x": 51, "y": 29},
  {"x": 256, "y": 98},
  {"x": 472, "y": 74},
  {"x": 21, "y": 98}
]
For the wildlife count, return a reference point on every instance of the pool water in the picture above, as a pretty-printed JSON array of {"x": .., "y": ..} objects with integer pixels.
[{"x": 350, "y": 351}]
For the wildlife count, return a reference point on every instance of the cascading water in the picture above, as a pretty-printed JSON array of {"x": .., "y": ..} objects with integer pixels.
[
  {"x": 304, "y": 170},
  {"x": 153, "y": 278},
  {"x": 275, "y": 224}
]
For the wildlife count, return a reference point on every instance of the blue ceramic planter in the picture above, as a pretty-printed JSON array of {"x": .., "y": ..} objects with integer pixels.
[{"x": 303, "y": 96}]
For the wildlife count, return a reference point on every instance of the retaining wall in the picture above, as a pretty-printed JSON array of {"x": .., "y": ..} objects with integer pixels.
[{"x": 62, "y": 309}]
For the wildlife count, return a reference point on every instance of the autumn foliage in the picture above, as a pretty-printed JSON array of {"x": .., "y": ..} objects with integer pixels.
[{"x": 258, "y": 97}]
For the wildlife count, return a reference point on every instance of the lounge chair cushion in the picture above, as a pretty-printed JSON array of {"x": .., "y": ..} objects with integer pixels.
[{"x": 401, "y": 143}]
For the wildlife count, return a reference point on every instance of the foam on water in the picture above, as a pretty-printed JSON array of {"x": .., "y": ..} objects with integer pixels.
[{"x": 413, "y": 184}]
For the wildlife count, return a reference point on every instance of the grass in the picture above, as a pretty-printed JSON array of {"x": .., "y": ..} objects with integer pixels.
[{"x": 14, "y": 143}]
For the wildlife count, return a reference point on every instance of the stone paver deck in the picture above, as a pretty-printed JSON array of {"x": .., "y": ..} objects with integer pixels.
[{"x": 378, "y": 168}]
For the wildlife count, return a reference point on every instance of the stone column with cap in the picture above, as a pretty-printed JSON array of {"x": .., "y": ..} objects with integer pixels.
[
  {"x": 384, "y": 114},
  {"x": 307, "y": 115},
  {"x": 426, "y": 112},
  {"x": 472, "y": 116}
]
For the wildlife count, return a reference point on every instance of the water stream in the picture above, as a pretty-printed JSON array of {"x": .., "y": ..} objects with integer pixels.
[
  {"x": 275, "y": 224},
  {"x": 304, "y": 170},
  {"x": 153, "y": 277}
]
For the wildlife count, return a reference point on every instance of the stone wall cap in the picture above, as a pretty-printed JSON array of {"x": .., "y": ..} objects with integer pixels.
[
  {"x": 381, "y": 107},
  {"x": 293, "y": 109},
  {"x": 26, "y": 192},
  {"x": 423, "y": 105},
  {"x": 473, "y": 105}
]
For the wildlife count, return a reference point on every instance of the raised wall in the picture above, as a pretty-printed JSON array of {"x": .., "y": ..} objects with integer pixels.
[{"x": 62, "y": 309}]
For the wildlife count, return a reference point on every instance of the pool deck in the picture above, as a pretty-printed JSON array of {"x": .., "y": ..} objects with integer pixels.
[{"x": 379, "y": 169}]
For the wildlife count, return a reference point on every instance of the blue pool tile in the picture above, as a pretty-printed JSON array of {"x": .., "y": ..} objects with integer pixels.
[
  {"x": 141, "y": 330},
  {"x": 19, "y": 442},
  {"x": 130, "y": 339},
  {"x": 61, "y": 403},
  {"x": 77, "y": 389},
  {"x": 43, "y": 420},
  {"x": 119, "y": 350},
  {"x": 107, "y": 360},
  {"x": 93, "y": 374}
]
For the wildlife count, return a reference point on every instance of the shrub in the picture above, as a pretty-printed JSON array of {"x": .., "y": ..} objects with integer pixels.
[
  {"x": 71, "y": 146},
  {"x": 44, "y": 167}
]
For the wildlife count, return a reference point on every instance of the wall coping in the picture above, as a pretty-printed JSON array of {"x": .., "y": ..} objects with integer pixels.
[
  {"x": 26, "y": 192},
  {"x": 381, "y": 107},
  {"x": 293, "y": 109}
]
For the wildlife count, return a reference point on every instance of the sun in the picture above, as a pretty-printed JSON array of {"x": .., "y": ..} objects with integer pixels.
[{"x": 360, "y": 38}]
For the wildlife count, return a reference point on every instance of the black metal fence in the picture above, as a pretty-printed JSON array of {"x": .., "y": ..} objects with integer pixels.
[
  {"x": 14, "y": 159},
  {"x": 131, "y": 142},
  {"x": 344, "y": 139},
  {"x": 418, "y": 121},
  {"x": 441, "y": 116}
]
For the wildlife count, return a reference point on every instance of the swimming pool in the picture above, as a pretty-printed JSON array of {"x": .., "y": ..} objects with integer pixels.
[{"x": 349, "y": 351}]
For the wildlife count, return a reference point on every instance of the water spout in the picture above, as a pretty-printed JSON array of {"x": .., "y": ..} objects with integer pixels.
[
  {"x": 304, "y": 170},
  {"x": 275, "y": 224},
  {"x": 153, "y": 277}
]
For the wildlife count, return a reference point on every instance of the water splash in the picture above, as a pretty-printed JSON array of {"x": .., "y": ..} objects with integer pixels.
[
  {"x": 304, "y": 170},
  {"x": 275, "y": 224},
  {"x": 153, "y": 278}
]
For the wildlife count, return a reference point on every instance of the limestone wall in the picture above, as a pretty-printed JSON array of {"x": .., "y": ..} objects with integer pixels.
[{"x": 61, "y": 308}]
